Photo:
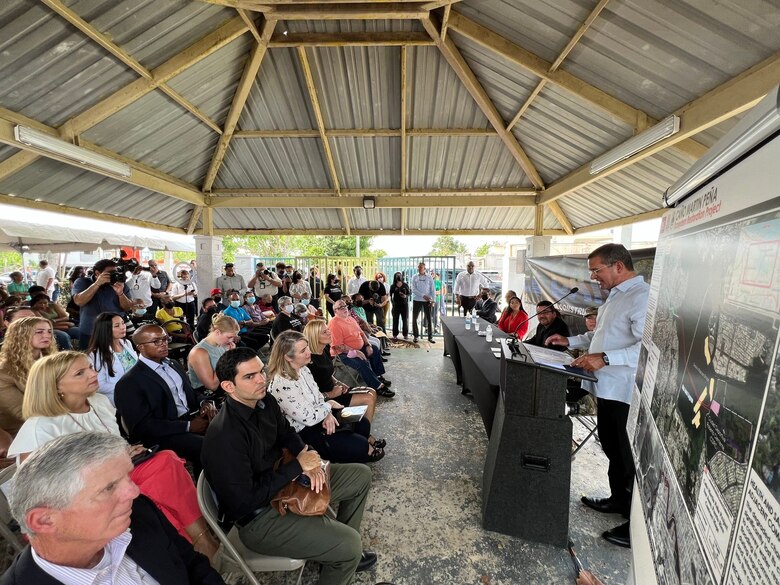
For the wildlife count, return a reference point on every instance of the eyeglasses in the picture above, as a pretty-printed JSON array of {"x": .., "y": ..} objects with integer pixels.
[
  {"x": 157, "y": 342},
  {"x": 595, "y": 271}
]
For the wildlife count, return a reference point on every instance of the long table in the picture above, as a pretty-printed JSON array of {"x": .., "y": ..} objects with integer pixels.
[{"x": 475, "y": 365}]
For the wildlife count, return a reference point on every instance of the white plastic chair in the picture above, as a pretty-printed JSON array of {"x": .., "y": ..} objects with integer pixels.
[{"x": 248, "y": 561}]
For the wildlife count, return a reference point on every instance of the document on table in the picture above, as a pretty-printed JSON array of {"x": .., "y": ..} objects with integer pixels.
[{"x": 548, "y": 357}]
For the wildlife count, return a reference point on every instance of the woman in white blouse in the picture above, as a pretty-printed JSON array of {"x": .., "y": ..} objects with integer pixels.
[
  {"x": 110, "y": 354},
  {"x": 309, "y": 414},
  {"x": 61, "y": 398},
  {"x": 185, "y": 294},
  {"x": 300, "y": 290}
]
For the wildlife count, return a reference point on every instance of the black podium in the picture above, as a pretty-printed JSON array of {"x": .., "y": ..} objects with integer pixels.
[{"x": 525, "y": 485}]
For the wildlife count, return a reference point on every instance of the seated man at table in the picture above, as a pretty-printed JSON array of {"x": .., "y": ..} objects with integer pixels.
[
  {"x": 550, "y": 323},
  {"x": 486, "y": 306},
  {"x": 86, "y": 522},
  {"x": 239, "y": 452}
]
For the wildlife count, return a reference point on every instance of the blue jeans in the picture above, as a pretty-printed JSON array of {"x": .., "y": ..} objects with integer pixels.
[{"x": 368, "y": 370}]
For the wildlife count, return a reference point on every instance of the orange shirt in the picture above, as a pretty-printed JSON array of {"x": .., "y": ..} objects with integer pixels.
[{"x": 345, "y": 331}]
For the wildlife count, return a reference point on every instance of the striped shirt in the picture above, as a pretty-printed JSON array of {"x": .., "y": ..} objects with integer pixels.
[{"x": 115, "y": 568}]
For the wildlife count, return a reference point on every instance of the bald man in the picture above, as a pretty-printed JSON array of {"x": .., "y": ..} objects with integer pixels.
[{"x": 157, "y": 403}]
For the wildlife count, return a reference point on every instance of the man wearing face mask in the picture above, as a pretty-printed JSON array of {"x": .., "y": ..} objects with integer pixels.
[
  {"x": 262, "y": 323},
  {"x": 400, "y": 293},
  {"x": 354, "y": 284},
  {"x": 209, "y": 309},
  {"x": 486, "y": 307},
  {"x": 249, "y": 335},
  {"x": 374, "y": 297},
  {"x": 316, "y": 286},
  {"x": 286, "y": 319}
]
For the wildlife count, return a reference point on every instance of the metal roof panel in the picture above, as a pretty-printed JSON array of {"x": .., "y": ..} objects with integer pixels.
[{"x": 367, "y": 163}]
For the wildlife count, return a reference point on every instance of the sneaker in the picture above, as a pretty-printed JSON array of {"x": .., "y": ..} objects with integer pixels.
[
  {"x": 414, "y": 340},
  {"x": 431, "y": 340}
]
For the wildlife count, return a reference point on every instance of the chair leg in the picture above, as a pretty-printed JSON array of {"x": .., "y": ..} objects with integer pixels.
[{"x": 300, "y": 574}]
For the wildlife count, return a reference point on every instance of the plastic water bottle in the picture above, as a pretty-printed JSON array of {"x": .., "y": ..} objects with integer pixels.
[
  {"x": 460, "y": 311},
  {"x": 475, "y": 321},
  {"x": 489, "y": 334},
  {"x": 468, "y": 321}
]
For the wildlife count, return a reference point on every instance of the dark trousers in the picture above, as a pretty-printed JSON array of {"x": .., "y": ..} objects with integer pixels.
[
  {"x": 612, "y": 420},
  {"x": 425, "y": 307},
  {"x": 343, "y": 446},
  {"x": 186, "y": 445},
  {"x": 401, "y": 313},
  {"x": 190, "y": 309},
  {"x": 375, "y": 315},
  {"x": 369, "y": 370},
  {"x": 467, "y": 304}
]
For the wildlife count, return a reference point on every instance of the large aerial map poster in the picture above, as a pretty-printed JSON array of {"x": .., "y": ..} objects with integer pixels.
[{"x": 706, "y": 437}]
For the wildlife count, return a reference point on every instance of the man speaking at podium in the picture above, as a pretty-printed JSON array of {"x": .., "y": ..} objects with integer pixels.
[{"x": 613, "y": 353}]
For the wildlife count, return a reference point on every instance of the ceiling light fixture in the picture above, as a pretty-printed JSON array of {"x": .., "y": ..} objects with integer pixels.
[
  {"x": 48, "y": 143},
  {"x": 369, "y": 203},
  {"x": 664, "y": 129}
]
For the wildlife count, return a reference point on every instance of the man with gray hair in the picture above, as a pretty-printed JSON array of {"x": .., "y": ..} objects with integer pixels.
[
  {"x": 286, "y": 319},
  {"x": 86, "y": 523}
]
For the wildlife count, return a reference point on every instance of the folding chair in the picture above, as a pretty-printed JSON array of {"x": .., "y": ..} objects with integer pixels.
[
  {"x": 247, "y": 560},
  {"x": 587, "y": 420}
]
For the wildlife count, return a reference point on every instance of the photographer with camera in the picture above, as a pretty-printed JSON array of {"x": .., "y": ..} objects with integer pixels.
[
  {"x": 105, "y": 292},
  {"x": 374, "y": 299},
  {"x": 264, "y": 282}
]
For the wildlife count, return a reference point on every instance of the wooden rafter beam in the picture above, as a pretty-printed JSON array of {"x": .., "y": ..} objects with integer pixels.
[
  {"x": 140, "y": 177},
  {"x": 251, "y": 68},
  {"x": 561, "y": 217},
  {"x": 539, "y": 220},
  {"x": 139, "y": 88},
  {"x": 374, "y": 192},
  {"x": 250, "y": 24},
  {"x": 404, "y": 147},
  {"x": 439, "y": 4},
  {"x": 539, "y": 67},
  {"x": 208, "y": 222},
  {"x": 381, "y": 232},
  {"x": 332, "y": 11},
  {"x": 474, "y": 87},
  {"x": 315, "y": 104},
  {"x": 351, "y": 39},
  {"x": 194, "y": 217},
  {"x": 381, "y": 201},
  {"x": 647, "y": 215},
  {"x": 364, "y": 132},
  {"x": 77, "y": 212},
  {"x": 729, "y": 99}
]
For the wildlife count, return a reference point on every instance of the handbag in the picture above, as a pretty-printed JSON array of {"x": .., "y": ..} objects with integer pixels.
[{"x": 299, "y": 499}]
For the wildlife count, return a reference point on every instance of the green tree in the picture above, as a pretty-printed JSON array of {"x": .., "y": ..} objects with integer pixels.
[
  {"x": 285, "y": 246},
  {"x": 10, "y": 261},
  {"x": 448, "y": 246},
  {"x": 484, "y": 249}
]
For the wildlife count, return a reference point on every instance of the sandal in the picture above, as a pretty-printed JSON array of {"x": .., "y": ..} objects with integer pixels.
[
  {"x": 378, "y": 443},
  {"x": 376, "y": 455}
]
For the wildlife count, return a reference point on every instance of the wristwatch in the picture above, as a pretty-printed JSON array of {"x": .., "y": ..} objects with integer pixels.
[{"x": 605, "y": 358}]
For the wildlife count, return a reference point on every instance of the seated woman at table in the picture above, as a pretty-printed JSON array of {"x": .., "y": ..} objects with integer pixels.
[
  {"x": 511, "y": 319},
  {"x": 61, "y": 398},
  {"x": 303, "y": 405},
  {"x": 321, "y": 367},
  {"x": 110, "y": 354}
]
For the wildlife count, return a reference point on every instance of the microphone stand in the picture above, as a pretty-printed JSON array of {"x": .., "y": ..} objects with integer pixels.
[{"x": 513, "y": 341}]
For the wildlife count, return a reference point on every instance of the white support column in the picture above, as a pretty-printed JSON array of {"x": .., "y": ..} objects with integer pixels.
[
  {"x": 208, "y": 254},
  {"x": 539, "y": 246},
  {"x": 627, "y": 235}
]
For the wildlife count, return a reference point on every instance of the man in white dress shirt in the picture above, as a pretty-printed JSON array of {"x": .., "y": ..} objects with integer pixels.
[
  {"x": 86, "y": 524},
  {"x": 140, "y": 285},
  {"x": 467, "y": 287},
  {"x": 613, "y": 354},
  {"x": 45, "y": 277},
  {"x": 354, "y": 284}
]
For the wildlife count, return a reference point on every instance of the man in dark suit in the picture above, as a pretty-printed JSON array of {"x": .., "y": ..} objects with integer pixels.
[
  {"x": 486, "y": 306},
  {"x": 550, "y": 323},
  {"x": 75, "y": 501},
  {"x": 156, "y": 402}
]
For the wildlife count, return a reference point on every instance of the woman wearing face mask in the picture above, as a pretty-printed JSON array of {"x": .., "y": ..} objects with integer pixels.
[
  {"x": 262, "y": 323},
  {"x": 172, "y": 319},
  {"x": 381, "y": 278},
  {"x": 400, "y": 293},
  {"x": 202, "y": 359},
  {"x": 287, "y": 319},
  {"x": 110, "y": 354},
  {"x": 300, "y": 290},
  {"x": 332, "y": 292}
]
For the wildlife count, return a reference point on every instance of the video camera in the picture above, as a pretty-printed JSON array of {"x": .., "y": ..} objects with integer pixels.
[{"x": 123, "y": 266}]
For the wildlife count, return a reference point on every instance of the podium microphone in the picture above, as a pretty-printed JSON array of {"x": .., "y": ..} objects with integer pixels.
[{"x": 513, "y": 337}]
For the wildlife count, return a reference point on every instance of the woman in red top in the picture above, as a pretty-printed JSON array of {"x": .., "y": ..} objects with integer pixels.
[{"x": 512, "y": 317}]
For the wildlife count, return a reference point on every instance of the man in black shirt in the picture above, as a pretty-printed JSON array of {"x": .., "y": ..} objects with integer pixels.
[
  {"x": 286, "y": 319},
  {"x": 486, "y": 306},
  {"x": 241, "y": 446},
  {"x": 373, "y": 293},
  {"x": 550, "y": 323}
]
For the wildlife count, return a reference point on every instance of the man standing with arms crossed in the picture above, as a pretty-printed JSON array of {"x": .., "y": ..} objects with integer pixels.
[
  {"x": 613, "y": 353},
  {"x": 467, "y": 286}
]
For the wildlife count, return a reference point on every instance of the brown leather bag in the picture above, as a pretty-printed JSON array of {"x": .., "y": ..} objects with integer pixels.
[{"x": 298, "y": 499}]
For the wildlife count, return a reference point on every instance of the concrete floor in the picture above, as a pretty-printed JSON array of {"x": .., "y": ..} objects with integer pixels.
[{"x": 423, "y": 514}]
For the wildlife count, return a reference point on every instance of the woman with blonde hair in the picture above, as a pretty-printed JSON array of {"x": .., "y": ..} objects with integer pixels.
[
  {"x": 61, "y": 398},
  {"x": 202, "y": 358},
  {"x": 321, "y": 367},
  {"x": 303, "y": 405},
  {"x": 26, "y": 340}
]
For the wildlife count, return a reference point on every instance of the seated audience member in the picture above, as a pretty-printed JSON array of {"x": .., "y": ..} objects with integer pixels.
[
  {"x": 216, "y": 294},
  {"x": 172, "y": 319},
  {"x": 110, "y": 354},
  {"x": 262, "y": 323},
  {"x": 5, "y": 442},
  {"x": 511, "y": 320},
  {"x": 302, "y": 403},
  {"x": 157, "y": 403},
  {"x": 66, "y": 333},
  {"x": 209, "y": 308},
  {"x": 28, "y": 339},
  {"x": 486, "y": 307},
  {"x": 17, "y": 286},
  {"x": 75, "y": 501},
  {"x": 372, "y": 331},
  {"x": 286, "y": 320},
  {"x": 242, "y": 445},
  {"x": 591, "y": 316},
  {"x": 550, "y": 323},
  {"x": 185, "y": 294},
  {"x": 357, "y": 307},
  {"x": 60, "y": 399},
  {"x": 321, "y": 367},
  {"x": 98, "y": 295},
  {"x": 250, "y": 335},
  {"x": 202, "y": 358},
  {"x": 332, "y": 292},
  {"x": 351, "y": 345},
  {"x": 266, "y": 304}
]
